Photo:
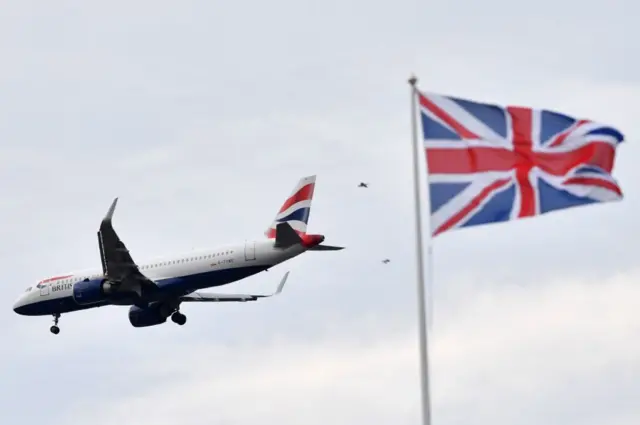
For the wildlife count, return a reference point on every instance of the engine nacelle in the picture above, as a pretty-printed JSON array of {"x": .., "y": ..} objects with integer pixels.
[
  {"x": 150, "y": 316},
  {"x": 91, "y": 291}
]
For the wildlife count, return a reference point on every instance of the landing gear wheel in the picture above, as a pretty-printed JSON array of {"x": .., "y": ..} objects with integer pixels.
[
  {"x": 179, "y": 318},
  {"x": 55, "y": 329}
]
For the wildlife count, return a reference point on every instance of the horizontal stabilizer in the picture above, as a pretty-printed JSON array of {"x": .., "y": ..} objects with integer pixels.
[
  {"x": 326, "y": 248},
  {"x": 286, "y": 236}
]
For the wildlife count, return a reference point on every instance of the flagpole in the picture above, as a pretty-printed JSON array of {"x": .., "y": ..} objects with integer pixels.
[
  {"x": 429, "y": 288},
  {"x": 422, "y": 326}
]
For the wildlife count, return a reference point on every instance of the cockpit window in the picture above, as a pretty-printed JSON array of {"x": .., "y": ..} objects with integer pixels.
[{"x": 28, "y": 289}]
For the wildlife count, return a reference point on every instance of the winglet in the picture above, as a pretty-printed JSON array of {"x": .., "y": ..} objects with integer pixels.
[
  {"x": 112, "y": 208},
  {"x": 282, "y": 282}
]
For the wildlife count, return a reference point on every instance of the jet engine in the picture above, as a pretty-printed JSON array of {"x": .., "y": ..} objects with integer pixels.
[
  {"x": 91, "y": 291},
  {"x": 149, "y": 316}
]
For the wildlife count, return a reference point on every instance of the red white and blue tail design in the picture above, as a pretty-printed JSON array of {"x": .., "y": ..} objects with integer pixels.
[{"x": 296, "y": 208}]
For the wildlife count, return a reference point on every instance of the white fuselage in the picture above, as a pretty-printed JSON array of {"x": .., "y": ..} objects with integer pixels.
[{"x": 175, "y": 275}]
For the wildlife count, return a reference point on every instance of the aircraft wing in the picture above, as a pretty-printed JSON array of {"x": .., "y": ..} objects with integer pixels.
[
  {"x": 209, "y": 297},
  {"x": 117, "y": 263}
]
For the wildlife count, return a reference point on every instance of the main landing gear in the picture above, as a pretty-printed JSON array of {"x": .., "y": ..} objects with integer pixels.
[
  {"x": 179, "y": 318},
  {"x": 55, "y": 329}
]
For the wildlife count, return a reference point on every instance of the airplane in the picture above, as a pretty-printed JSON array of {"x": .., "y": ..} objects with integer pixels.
[
  {"x": 155, "y": 289},
  {"x": 363, "y": 184}
]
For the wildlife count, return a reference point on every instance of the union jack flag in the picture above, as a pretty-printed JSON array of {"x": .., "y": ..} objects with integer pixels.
[{"x": 490, "y": 164}]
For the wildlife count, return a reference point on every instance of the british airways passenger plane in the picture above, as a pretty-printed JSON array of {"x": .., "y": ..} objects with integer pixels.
[{"x": 155, "y": 289}]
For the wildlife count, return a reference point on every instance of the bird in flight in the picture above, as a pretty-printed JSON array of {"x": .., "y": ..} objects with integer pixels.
[
  {"x": 386, "y": 260},
  {"x": 362, "y": 184}
]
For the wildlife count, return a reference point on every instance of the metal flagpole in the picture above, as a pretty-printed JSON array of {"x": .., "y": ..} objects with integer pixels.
[
  {"x": 429, "y": 288},
  {"x": 422, "y": 326}
]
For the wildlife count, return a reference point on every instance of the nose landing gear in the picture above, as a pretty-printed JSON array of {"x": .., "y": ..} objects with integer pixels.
[
  {"x": 179, "y": 318},
  {"x": 55, "y": 329}
]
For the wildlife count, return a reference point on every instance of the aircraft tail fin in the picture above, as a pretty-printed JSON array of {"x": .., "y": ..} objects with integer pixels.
[{"x": 295, "y": 209}]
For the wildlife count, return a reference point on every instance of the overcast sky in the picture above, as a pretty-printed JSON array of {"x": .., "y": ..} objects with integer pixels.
[{"x": 201, "y": 116}]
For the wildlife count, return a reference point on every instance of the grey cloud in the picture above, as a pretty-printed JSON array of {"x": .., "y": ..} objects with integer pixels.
[
  {"x": 504, "y": 356},
  {"x": 201, "y": 117}
]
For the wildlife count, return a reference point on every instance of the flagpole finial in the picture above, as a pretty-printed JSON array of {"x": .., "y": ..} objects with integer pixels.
[{"x": 413, "y": 80}]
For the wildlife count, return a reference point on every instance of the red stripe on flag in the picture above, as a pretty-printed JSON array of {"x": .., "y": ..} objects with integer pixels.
[
  {"x": 476, "y": 160},
  {"x": 451, "y": 122},
  {"x": 468, "y": 160},
  {"x": 525, "y": 159},
  {"x": 599, "y": 154},
  {"x": 562, "y": 136},
  {"x": 475, "y": 202},
  {"x": 590, "y": 181}
]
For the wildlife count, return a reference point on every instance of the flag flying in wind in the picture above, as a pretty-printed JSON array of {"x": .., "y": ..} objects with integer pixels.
[{"x": 490, "y": 164}]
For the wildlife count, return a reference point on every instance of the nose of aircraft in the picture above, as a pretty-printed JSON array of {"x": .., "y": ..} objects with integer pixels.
[{"x": 17, "y": 306}]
